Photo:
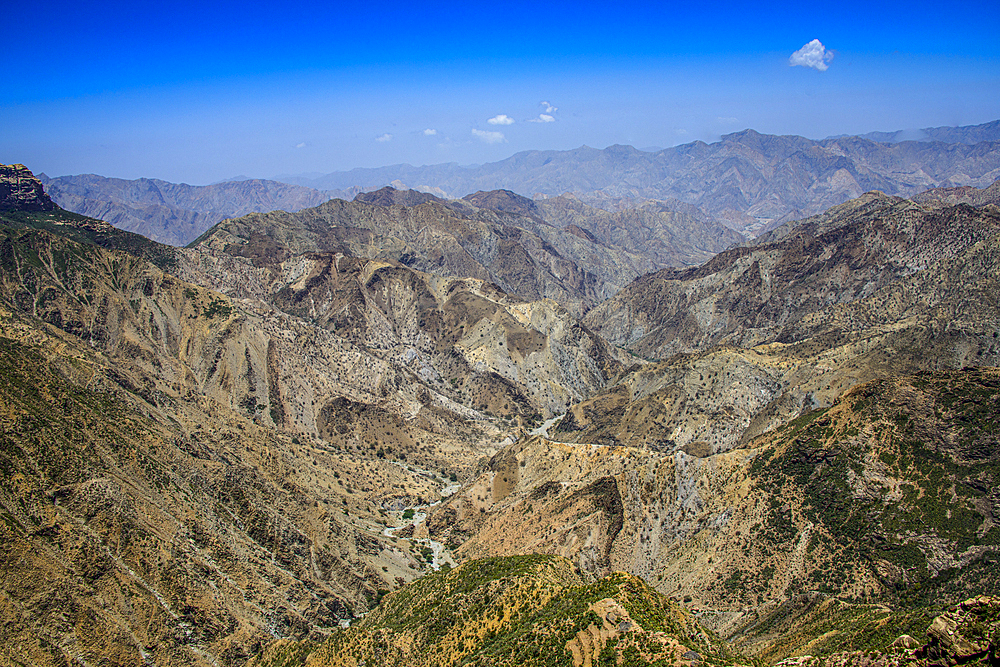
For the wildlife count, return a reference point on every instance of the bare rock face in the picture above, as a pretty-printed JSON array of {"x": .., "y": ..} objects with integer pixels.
[{"x": 21, "y": 191}]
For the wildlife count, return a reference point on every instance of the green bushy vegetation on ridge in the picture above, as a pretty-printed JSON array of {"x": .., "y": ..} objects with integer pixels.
[
  {"x": 885, "y": 469},
  {"x": 515, "y": 610}
]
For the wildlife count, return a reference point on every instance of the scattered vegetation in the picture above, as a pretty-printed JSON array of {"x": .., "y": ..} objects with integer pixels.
[
  {"x": 892, "y": 466},
  {"x": 520, "y": 610}
]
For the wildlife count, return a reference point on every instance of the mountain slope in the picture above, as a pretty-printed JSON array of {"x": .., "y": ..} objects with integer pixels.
[
  {"x": 466, "y": 340},
  {"x": 521, "y": 610},
  {"x": 888, "y": 496},
  {"x": 758, "y": 293},
  {"x": 522, "y": 254},
  {"x": 228, "y": 470},
  {"x": 148, "y": 406}
]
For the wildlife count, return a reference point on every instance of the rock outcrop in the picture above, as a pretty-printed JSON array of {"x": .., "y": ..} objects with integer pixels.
[
  {"x": 21, "y": 191},
  {"x": 968, "y": 634}
]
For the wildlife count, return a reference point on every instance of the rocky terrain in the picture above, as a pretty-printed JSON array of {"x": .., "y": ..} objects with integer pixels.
[
  {"x": 506, "y": 242},
  {"x": 218, "y": 454},
  {"x": 781, "y": 286}
]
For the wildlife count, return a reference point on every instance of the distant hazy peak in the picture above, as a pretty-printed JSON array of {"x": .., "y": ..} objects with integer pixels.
[
  {"x": 966, "y": 134},
  {"x": 504, "y": 201},
  {"x": 390, "y": 196}
]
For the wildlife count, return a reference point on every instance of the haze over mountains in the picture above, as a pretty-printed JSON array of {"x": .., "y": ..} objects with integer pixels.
[
  {"x": 507, "y": 430},
  {"x": 746, "y": 180},
  {"x": 174, "y": 213},
  {"x": 969, "y": 134}
]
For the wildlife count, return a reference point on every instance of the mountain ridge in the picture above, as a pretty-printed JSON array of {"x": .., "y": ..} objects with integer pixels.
[{"x": 750, "y": 181}]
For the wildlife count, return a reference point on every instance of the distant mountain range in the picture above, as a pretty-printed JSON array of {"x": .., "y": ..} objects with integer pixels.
[
  {"x": 176, "y": 213},
  {"x": 749, "y": 181},
  {"x": 969, "y": 134},
  {"x": 747, "y": 177}
]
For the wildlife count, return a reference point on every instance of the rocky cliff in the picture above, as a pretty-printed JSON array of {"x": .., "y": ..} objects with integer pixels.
[{"x": 21, "y": 191}]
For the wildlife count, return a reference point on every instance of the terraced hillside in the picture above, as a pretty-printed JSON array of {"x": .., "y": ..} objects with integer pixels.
[{"x": 520, "y": 610}]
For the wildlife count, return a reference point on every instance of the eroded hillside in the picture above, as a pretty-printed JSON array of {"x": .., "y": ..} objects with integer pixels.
[
  {"x": 761, "y": 292},
  {"x": 262, "y": 436},
  {"x": 489, "y": 236}
]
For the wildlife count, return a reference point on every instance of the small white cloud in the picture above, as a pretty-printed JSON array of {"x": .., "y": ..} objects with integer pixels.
[
  {"x": 302, "y": 145},
  {"x": 489, "y": 137},
  {"x": 501, "y": 119},
  {"x": 728, "y": 120},
  {"x": 542, "y": 118},
  {"x": 385, "y": 137},
  {"x": 813, "y": 54},
  {"x": 549, "y": 108},
  {"x": 429, "y": 132}
]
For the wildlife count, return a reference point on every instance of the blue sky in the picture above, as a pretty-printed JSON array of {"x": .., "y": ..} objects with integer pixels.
[{"x": 198, "y": 92}]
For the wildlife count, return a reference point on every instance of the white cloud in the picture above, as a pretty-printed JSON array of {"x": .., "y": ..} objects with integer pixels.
[
  {"x": 385, "y": 137},
  {"x": 489, "y": 137},
  {"x": 542, "y": 118},
  {"x": 501, "y": 119},
  {"x": 813, "y": 54},
  {"x": 429, "y": 132},
  {"x": 549, "y": 108},
  {"x": 302, "y": 145}
]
